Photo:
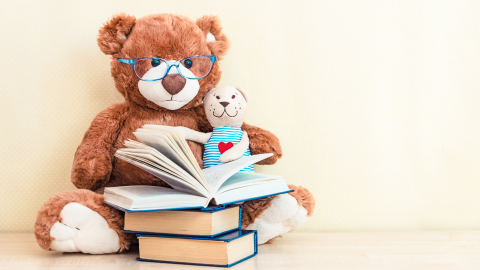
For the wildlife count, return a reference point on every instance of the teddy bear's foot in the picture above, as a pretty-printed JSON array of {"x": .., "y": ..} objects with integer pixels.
[
  {"x": 281, "y": 213},
  {"x": 83, "y": 230},
  {"x": 69, "y": 223}
]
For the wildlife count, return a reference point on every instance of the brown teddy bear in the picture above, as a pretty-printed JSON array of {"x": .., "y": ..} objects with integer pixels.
[{"x": 78, "y": 220}]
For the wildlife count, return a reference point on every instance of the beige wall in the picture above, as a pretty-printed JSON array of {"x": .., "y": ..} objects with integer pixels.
[{"x": 376, "y": 102}]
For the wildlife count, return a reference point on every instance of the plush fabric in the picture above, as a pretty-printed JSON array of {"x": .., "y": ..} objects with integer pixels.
[
  {"x": 226, "y": 108},
  {"x": 94, "y": 167}
]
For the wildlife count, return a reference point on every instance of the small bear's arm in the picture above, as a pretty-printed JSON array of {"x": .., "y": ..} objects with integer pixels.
[
  {"x": 195, "y": 136},
  {"x": 92, "y": 163},
  {"x": 263, "y": 141},
  {"x": 236, "y": 151}
]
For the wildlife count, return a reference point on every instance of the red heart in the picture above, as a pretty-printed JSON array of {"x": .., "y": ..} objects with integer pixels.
[{"x": 222, "y": 147}]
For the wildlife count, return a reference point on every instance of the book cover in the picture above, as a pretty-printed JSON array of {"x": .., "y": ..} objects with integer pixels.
[
  {"x": 223, "y": 251},
  {"x": 201, "y": 208}
]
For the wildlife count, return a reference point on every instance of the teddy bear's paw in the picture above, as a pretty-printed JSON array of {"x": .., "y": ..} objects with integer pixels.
[
  {"x": 83, "y": 230},
  {"x": 91, "y": 170},
  {"x": 284, "y": 214}
]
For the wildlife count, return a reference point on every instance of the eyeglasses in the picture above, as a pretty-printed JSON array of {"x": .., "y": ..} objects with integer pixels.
[{"x": 193, "y": 67}]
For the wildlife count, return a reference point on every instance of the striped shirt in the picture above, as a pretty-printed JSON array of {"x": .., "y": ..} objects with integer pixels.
[{"x": 219, "y": 141}]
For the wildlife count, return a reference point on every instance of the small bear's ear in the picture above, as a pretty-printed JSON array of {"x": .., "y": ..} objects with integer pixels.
[
  {"x": 207, "y": 94},
  {"x": 217, "y": 41},
  {"x": 114, "y": 32},
  {"x": 244, "y": 93}
]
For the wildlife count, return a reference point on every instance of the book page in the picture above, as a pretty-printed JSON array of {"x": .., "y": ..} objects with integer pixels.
[
  {"x": 151, "y": 197},
  {"x": 182, "y": 143},
  {"x": 186, "y": 149},
  {"x": 160, "y": 165},
  {"x": 177, "y": 137},
  {"x": 173, "y": 181},
  {"x": 146, "y": 154},
  {"x": 162, "y": 146},
  {"x": 241, "y": 179},
  {"x": 142, "y": 192},
  {"x": 134, "y": 144},
  {"x": 217, "y": 175},
  {"x": 150, "y": 135},
  {"x": 245, "y": 193},
  {"x": 160, "y": 159}
]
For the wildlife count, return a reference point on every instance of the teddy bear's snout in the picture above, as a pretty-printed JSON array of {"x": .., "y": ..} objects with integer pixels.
[
  {"x": 224, "y": 103},
  {"x": 173, "y": 83}
]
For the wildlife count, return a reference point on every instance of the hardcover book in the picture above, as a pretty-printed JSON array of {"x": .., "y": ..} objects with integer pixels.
[
  {"x": 163, "y": 152},
  {"x": 185, "y": 222},
  {"x": 225, "y": 250}
]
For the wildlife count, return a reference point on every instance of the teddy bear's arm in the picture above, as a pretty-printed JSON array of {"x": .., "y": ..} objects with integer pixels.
[
  {"x": 263, "y": 141},
  {"x": 92, "y": 163}
]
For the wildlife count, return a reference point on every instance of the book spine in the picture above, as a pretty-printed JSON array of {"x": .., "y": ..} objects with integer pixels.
[{"x": 240, "y": 216}]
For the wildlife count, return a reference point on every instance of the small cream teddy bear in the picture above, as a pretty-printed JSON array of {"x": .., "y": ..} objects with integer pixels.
[{"x": 225, "y": 108}]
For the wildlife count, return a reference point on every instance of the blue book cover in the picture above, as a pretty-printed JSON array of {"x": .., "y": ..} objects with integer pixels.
[
  {"x": 152, "y": 250},
  {"x": 151, "y": 224}
]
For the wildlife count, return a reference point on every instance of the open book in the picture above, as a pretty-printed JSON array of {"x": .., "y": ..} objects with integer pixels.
[{"x": 163, "y": 152}]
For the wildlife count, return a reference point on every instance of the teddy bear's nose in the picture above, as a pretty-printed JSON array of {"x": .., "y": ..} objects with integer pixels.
[
  {"x": 173, "y": 83},
  {"x": 224, "y": 103}
]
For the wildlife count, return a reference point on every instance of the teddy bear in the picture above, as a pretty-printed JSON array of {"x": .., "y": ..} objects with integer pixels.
[
  {"x": 155, "y": 67},
  {"x": 225, "y": 108}
]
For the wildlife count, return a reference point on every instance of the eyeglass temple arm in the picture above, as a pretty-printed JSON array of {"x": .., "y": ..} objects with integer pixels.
[{"x": 126, "y": 61}]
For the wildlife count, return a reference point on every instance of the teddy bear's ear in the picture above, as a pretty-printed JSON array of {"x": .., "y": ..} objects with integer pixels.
[
  {"x": 244, "y": 93},
  {"x": 217, "y": 41},
  {"x": 114, "y": 32}
]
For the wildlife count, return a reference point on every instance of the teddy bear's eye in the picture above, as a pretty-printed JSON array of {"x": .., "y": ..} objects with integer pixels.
[
  {"x": 218, "y": 97},
  {"x": 155, "y": 62},
  {"x": 188, "y": 63},
  {"x": 233, "y": 96}
]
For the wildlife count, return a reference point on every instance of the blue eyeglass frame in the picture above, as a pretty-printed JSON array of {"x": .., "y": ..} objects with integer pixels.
[{"x": 176, "y": 64}]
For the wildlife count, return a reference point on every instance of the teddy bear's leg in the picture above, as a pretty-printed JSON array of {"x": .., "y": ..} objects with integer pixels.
[
  {"x": 79, "y": 221},
  {"x": 277, "y": 215}
]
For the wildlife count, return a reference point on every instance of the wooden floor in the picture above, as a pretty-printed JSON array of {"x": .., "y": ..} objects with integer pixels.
[{"x": 339, "y": 250}]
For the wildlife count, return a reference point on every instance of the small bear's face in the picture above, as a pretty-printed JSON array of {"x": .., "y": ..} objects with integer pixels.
[
  {"x": 226, "y": 106},
  {"x": 169, "y": 37}
]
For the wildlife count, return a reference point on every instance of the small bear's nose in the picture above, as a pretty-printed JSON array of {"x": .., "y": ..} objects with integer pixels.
[{"x": 224, "y": 103}]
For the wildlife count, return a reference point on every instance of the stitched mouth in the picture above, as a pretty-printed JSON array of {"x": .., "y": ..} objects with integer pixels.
[
  {"x": 171, "y": 99},
  {"x": 225, "y": 112}
]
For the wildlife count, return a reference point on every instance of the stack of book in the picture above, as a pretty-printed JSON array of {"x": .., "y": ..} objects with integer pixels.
[{"x": 198, "y": 220}]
